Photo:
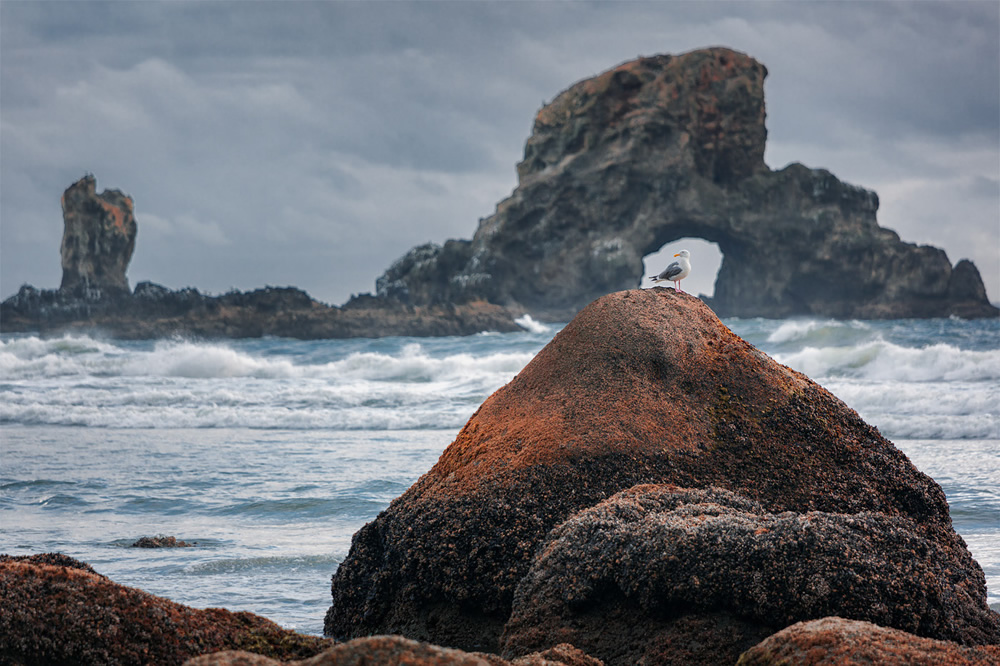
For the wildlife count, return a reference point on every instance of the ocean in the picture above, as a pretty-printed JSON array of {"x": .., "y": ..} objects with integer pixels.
[{"x": 268, "y": 454}]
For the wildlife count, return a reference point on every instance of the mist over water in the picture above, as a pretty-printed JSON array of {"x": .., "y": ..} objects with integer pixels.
[{"x": 271, "y": 453}]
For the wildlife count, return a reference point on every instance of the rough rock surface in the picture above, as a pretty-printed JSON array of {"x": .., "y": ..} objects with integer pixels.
[
  {"x": 668, "y": 147},
  {"x": 652, "y": 561},
  {"x": 393, "y": 650},
  {"x": 641, "y": 387},
  {"x": 834, "y": 640},
  {"x": 98, "y": 238},
  {"x": 55, "y": 610},
  {"x": 153, "y": 311}
]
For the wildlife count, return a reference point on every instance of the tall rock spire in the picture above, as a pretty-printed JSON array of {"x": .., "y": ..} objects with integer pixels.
[{"x": 98, "y": 238}]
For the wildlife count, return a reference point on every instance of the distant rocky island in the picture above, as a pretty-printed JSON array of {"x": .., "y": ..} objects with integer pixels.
[
  {"x": 97, "y": 244},
  {"x": 617, "y": 166}
]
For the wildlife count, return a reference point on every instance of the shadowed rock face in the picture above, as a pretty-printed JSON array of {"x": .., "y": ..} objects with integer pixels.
[
  {"x": 668, "y": 147},
  {"x": 98, "y": 238},
  {"x": 641, "y": 387},
  {"x": 834, "y": 640}
]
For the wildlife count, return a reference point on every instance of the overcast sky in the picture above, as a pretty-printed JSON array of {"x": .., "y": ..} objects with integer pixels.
[{"x": 313, "y": 143}]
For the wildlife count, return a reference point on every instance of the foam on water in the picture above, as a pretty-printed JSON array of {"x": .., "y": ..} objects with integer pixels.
[
  {"x": 180, "y": 384},
  {"x": 527, "y": 323}
]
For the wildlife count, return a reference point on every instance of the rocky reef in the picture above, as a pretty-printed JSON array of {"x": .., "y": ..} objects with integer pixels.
[
  {"x": 98, "y": 241},
  {"x": 652, "y": 489},
  {"x": 153, "y": 311},
  {"x": 669, "y": 147}
]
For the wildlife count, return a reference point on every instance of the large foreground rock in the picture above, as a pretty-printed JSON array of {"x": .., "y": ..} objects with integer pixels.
[
  {"x": 56, "y": 610},
  {"x": 669, "y": 147},
  {"x": 697, "y": 577},
  {"x": 649, "y": 387},
  {"x": 836, "y": 641}
]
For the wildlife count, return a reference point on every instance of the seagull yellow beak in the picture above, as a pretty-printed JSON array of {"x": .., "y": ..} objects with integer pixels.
[{"x": 678, "y": 254}]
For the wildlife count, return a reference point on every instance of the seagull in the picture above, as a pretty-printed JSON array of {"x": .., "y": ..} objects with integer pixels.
[{"x": 676, "y": 271}]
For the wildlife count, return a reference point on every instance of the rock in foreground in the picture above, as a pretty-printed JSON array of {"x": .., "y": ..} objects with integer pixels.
[
  {"x": 396, "y": 650},
  {"x": 834, "y": 640},
  {"x": 55, "y": 610},
  {"x": 654, "y": 562},
  {"x": 647, "y": 387}
]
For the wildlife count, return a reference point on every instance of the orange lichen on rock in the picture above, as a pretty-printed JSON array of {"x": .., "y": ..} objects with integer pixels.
[{"x": 118, "y": 214}]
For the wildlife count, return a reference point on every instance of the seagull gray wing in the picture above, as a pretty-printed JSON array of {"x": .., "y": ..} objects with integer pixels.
[{"x": 670, "y": 271}]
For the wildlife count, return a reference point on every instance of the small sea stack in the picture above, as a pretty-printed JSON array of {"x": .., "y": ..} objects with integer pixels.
[
  {"x": 621, "y": 479},
  {"x": 98, "y": 240}
]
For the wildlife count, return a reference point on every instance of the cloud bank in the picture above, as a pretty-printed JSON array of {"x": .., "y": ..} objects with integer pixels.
[{"x": 313, "y": 143}]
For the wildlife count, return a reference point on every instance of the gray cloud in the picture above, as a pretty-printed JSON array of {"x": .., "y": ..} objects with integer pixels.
[{"x": 311, "y": 143}]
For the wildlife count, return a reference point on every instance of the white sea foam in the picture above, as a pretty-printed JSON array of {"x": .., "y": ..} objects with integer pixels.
[
  {"x": 819, "y": 332},
  {"x": 527, "y": 323},
  {"x": 881, "y": 360},
  {"x": 932, "y": 391},
  {"x": 181, "y": 384}
]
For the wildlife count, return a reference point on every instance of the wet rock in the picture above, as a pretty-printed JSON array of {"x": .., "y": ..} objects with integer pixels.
[
  {"x": 667, "y": 147},
  {"x": 629, "y": 579},
  {"x": 834, "y": 640},
  {"x": 160, "y": 542},
  {"x": 641, "y": 387},
  {"x": 98, "y": 239},
  {"x": 66, "y": 614}
]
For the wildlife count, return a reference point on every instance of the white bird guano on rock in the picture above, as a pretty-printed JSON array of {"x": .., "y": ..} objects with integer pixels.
[{"x": 676, "y": 271}]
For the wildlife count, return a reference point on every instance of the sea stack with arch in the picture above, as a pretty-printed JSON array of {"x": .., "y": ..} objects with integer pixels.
[{"x": 667, "y": 147}]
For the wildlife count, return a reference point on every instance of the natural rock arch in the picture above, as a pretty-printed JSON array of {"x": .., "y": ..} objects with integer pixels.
[{"x": 666, "y": 147}]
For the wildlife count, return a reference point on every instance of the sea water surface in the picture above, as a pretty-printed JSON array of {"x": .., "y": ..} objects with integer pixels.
[{"x": 269, "y": 454}]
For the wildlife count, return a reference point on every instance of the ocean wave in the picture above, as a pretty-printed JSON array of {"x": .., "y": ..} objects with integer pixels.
[
  {"x": 817, "y": 332},
  {"x": 209, "y": 418},
  {"x": 34, "y": 358},
  {"x": 527, "y": 323},
  {"x": 881, "y": 360}
]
